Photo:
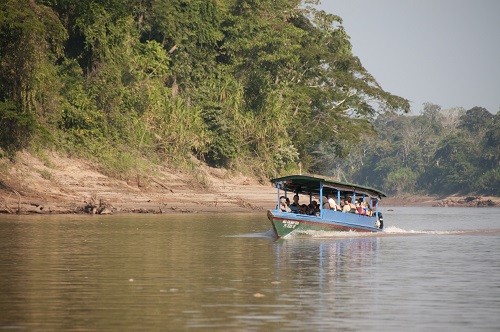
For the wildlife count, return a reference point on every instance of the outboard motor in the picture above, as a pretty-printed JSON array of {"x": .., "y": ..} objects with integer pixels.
[{"x": 380, "y": 220}]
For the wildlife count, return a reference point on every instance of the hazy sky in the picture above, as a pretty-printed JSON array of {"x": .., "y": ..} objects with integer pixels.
[{"x": 442, "y": 51}]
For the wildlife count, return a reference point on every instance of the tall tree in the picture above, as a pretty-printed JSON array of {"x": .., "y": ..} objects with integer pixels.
[{"x": 31, "y": 40}]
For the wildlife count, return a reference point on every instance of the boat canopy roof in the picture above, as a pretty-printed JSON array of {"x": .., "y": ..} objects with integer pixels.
[{"x": 308, "y": 184}]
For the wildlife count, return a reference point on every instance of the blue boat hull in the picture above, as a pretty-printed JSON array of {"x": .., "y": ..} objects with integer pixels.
[{"x": 285, "y": 223}]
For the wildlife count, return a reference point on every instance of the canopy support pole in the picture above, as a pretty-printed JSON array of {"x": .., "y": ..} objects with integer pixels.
[
  {"x": 278, "y": 198},
  {"x": 321, "y": 198}
]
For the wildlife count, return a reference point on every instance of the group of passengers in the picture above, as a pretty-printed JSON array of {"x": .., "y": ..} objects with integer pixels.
[
  {"x": 311, "y": 209},
  {"x": 361, "y": 207},
  {"x": 346, "y": 205}
]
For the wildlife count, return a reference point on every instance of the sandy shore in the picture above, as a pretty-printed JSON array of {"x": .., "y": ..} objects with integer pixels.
[
  {"x": 59, "y": 184},
  {"x": 66, "y": 185}
]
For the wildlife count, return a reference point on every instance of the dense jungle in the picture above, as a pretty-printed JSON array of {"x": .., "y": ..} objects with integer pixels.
[{"x": 262, "y": 87}]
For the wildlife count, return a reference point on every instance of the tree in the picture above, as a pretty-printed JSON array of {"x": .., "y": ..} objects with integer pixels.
[
  {"x": 31, "y": 40},
  {"x": 476, "y": 120},
  {"x": 402, "y": 180}
]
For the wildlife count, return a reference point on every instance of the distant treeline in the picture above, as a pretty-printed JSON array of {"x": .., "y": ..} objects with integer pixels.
[
  {"x": 255, "y": 85},
  {"x": 438, "y": 152}
]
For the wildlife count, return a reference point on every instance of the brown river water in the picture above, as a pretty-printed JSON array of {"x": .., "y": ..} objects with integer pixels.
[{"x": 432, "y": 269}]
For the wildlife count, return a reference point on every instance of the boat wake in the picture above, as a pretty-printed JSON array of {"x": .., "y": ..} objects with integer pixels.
[
  {"x": 267, "y": 234},
  {"x": 389, "y": 231},
  {"x": 398, "y": 231}
]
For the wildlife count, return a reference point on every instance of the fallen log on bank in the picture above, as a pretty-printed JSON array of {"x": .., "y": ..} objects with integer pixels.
[{"x": 92, "y": 207}]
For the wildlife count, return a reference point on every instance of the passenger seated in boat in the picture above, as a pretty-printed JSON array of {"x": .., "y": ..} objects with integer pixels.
[
  {"x": 373, "y": 206},
  {"x": 333, "y": 205},
  {"x": 326, "y": 206},
  {"x": 330, "y": 204},
  {"x": 353, "y": 207},
  {"x": 294, "y": 207},
  {"x": 348, "y": 206},
  {"x": 303, "y": 209},
  {"x": 342, "y": 204},
  {"x": 359, "y": 207},
  {"x": 283, "y": 206},
  {"x": 366, "y": 208},
  {"x": 313, "y": 208},
  {"x": 310, "y": 209}
]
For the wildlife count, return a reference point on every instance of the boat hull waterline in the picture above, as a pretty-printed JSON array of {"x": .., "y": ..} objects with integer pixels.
[{"x": 286, "y": 223}]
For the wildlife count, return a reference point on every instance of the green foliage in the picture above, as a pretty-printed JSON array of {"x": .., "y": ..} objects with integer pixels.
[
  {"x": 16, "y": 127},
  {"x": 476, "y": 120},
  {"x": 489, "y": 182},
  {"x": 31, "y": 39},
  {"x": 255, "y": 85},
  {"x": 224, "y": 145},
  {"x": 401, "y": 180},
  {"x": 82, "y": 126}
]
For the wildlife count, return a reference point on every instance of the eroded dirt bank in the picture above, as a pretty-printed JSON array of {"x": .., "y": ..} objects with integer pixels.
[
  {"x": 60, "y": 184},
  {"x": 64, "y": 185}
]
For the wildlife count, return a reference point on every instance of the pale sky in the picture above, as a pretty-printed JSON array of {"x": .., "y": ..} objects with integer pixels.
[{"x": 446, "y": 52}]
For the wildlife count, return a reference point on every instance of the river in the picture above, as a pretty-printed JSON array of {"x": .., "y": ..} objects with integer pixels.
[{"x": 431, "y": 269}]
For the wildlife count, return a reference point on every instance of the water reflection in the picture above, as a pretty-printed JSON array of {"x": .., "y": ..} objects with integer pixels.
[
  {"x": 333, "y": 278},
  {"x": 335, "y": 257}
]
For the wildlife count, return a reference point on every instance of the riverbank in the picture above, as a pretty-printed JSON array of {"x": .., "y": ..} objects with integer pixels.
[{"x": 58, "y": 184}]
